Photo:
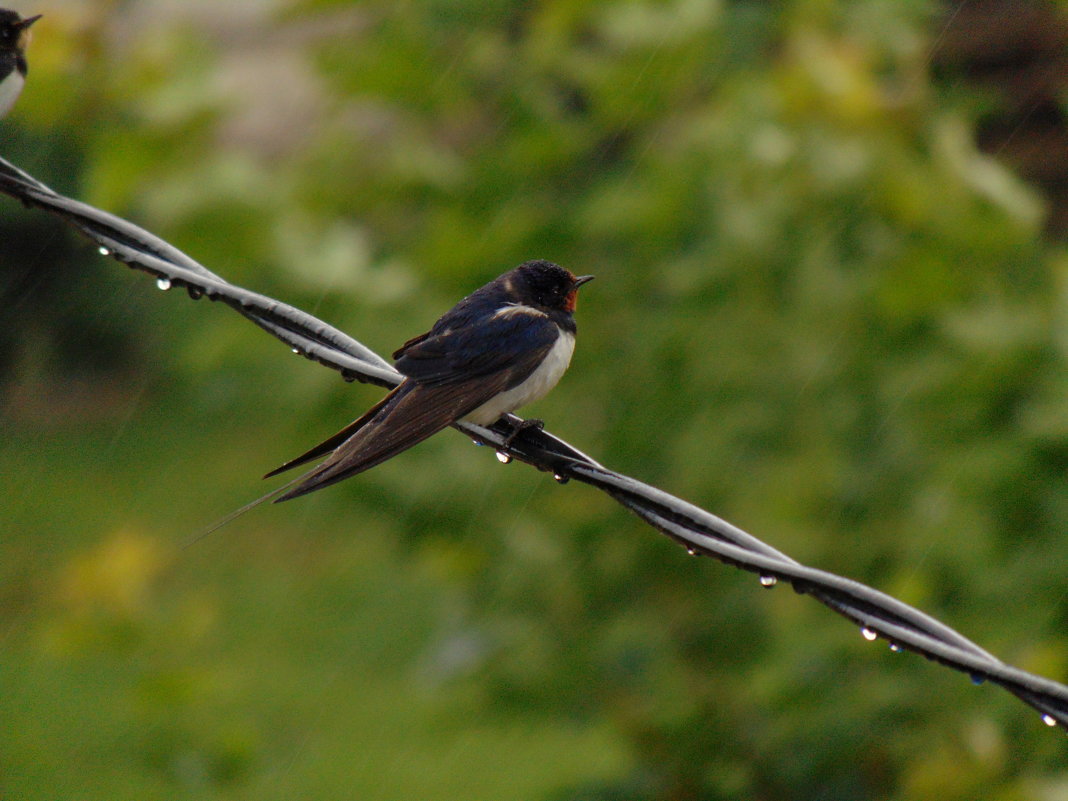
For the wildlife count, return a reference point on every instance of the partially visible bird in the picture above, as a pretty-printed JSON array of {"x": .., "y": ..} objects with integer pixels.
[
  {"x": 501, "y": 347},
  {"x": 14, "y": 36}
]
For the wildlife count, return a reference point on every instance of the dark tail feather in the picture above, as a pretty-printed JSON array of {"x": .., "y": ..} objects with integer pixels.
[
  {"x": 332, "y": 472},
  {"x": 407, "y": 416},
  {"x": 309, "y": 482},
  {"x": 407, "y": 420},
  {"x": 331, "y": 444}
]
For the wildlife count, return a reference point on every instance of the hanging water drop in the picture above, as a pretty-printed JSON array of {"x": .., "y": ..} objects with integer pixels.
[
  {"x": 163, "y": 283},
  {"x": 768, "y": 581},
  {"x": 503, "y": 457},
  {"x": 869, "y": 634},
  {"x": 977, "y": 679},
  {"x": 895, "y": 647},
  {"x": 296, "y": 351},
  {"x": 103, "y": 251},
  {"x": 559, "y": 479},
  {"x": 692, "y": 551},
  {"x": 1049, "y": 720}
]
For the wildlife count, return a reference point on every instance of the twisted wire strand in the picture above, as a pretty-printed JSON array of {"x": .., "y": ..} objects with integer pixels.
[{"x": 700, "y": 532}]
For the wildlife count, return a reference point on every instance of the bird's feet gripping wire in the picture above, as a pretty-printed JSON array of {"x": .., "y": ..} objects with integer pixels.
[{"x": 522, "y": 426}]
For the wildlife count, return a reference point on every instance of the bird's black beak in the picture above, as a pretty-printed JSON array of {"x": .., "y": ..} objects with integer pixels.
[
  {"x": 582, "y": 279},
  {"x": 23, "y": 24}
]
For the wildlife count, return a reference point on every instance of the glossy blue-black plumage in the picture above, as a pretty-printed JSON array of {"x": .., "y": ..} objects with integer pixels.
[
  {"x": 479, "y": 344},
  {"x": 490, "y": 342}
]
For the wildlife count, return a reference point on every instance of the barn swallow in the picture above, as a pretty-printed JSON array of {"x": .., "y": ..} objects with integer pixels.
[
  {"x": 14, "y": 36},
  {"x": 501, "y": 347}
]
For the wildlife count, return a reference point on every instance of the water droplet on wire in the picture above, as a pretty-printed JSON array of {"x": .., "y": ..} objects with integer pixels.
[
  {"x": 296, "y": 350},
  {"x": 503, "y": 457},
  {"x": 103, "y": 251},
  {"x": 768, "y": 581},
  {"x": 1049, "y": 720},
  {"x": 869, "y": 634},
  {"x": 895, "y": 648},
  {"x": 692, "y": 551},
  {"x": 163, "y": 283}
]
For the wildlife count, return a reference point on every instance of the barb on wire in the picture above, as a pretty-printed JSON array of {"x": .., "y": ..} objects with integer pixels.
[{"x": 701, "y": 532}]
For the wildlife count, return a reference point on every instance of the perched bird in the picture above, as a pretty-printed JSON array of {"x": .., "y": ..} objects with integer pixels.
[
  {"x": 14, "y": 36},
  {"x": 501, "y": 347}
]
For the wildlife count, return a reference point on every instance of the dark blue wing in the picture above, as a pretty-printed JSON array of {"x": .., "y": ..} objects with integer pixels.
[{"x": 515, "y": 341}]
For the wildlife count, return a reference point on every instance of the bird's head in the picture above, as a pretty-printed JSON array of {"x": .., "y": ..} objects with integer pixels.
[
  {"x": 544, "y": 285},
  {"x": 14, "y": 30}
]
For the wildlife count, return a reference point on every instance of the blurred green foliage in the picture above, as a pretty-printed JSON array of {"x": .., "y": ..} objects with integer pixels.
[{"x": 820, "y": 313}]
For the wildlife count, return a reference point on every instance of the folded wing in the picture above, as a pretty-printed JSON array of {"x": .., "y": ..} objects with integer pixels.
[{"x": 450, "y": 373}]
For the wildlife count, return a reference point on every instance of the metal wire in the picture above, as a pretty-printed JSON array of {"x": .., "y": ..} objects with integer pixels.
[{"x": 700, "y": 532}]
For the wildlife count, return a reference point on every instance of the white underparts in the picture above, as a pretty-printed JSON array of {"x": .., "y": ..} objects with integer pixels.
[
  {"x": 10, "y": 90},
  {"x": 535, "y": 386}
]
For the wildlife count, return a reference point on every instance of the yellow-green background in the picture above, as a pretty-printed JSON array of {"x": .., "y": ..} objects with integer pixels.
[{"x": 820, "y": 313}]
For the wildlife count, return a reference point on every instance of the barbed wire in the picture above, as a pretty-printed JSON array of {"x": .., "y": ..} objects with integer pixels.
[{"x": 700, "y": 532}]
